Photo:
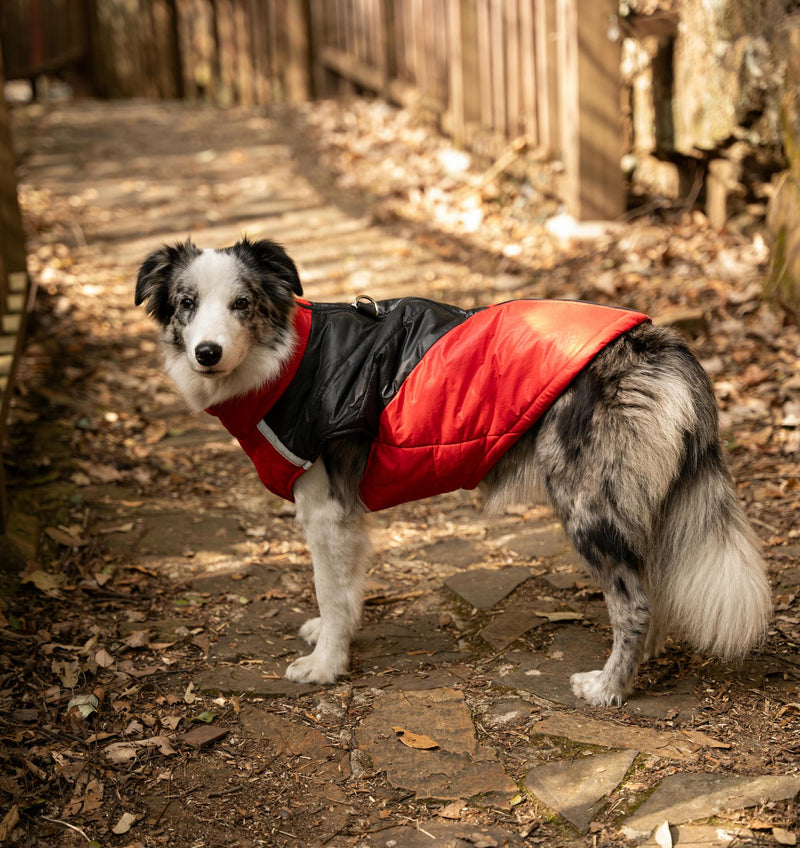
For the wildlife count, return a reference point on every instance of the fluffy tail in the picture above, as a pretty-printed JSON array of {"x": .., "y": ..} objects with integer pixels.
[{"x": 708, "y": 577}]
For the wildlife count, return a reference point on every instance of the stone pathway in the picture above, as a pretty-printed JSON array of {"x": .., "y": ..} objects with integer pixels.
[{"x": 473, "y": 625}]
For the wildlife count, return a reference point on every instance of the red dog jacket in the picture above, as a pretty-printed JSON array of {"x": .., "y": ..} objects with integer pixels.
[{"x": 441, "y": 393}]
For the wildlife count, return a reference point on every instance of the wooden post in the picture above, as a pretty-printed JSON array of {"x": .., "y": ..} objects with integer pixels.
[
  {"x": 320, "y": 39},
  {"x": 590, "y": 108},
  {"x": 388, "y": 45},
  {"x": 546, "y": 41},
  {"x": 464, "y": 106},
  {"x": 298, "y": 68},
  {"x": 527, "y": 71}
]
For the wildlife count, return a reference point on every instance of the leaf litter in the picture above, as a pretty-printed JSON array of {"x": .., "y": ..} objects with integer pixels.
[{"x": 106, "y": 635}]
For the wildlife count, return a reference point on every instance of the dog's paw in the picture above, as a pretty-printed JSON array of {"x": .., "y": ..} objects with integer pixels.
[
  {"x": 316, "y": 669},
  {"x": 310, "y": 630},
  {"x": 593, "y": 687}
]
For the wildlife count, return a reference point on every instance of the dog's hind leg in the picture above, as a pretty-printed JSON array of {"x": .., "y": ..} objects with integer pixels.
[
  {"x": 629, "y": 612},
  {"x": 338, "y": 542}
]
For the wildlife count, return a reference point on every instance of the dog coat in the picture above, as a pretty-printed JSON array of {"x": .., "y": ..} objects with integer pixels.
[{"x": 441, "y": 393}]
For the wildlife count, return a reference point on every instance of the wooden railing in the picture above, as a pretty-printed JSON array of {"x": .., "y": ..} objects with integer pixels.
[{"x": 15, "y": 291}]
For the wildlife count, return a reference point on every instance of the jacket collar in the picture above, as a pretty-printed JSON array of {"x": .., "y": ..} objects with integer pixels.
[{"x": 240, "y": 415}]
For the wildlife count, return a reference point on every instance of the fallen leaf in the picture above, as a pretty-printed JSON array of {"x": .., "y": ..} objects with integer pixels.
[
  {"x": 162, "y": 743},
  {"x": 123, "y": 752},
  {"x": 93, "y": 797},
  {"x": 453, "y": 811},
  {"x": 44, "y": 581},
  {"x": 663, "y": 836},
  {"x": 120, "y": 528},
  {"x": 68, "y": 672},
  {"x": 120, "y": 752},
  {"x": 104, "y": 659},
  {"x": 201, "y": 737},
  {"x": 64, "y": 537},
  {"x": 103, "y": 473},
  {"x": 559, "y": 616},
  {"x": 155, "y": 432},
  {"x": 9, "y": 822},
  {"x": 85, "y": 704},
  {"x": 785, "y": 837},
  {"x": 189, "y": 696},
  {"x": 138, "y": 639},
  {"x": 206, "y": 717},
  {"x": 127, "y": 820},
  {"x": 415, "y": 740},
  {"x": 704, "y": 740}
]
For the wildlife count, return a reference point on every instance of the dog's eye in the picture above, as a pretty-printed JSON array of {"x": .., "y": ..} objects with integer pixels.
[
  {"x": 241, "y": 304},
  {"x": 186, "y": 303}
]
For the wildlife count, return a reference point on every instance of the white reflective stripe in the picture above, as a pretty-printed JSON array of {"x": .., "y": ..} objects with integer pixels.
[{"x": 269, "y": 434}]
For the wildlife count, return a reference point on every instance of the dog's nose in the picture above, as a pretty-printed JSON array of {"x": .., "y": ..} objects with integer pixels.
[{"x": 208, "y": 353}]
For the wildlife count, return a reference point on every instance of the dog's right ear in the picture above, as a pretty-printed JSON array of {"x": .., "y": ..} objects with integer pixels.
[{"x": 156, "y": 274}]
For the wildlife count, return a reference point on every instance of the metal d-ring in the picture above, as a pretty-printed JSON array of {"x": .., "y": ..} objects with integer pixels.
[{"x": 366, "y": 304}]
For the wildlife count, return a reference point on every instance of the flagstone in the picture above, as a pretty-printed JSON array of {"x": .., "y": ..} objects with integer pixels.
[
  {"x": 459, "y": 767},
  {"x": 704, "y": 836},
  {"x": 546, "y": 673},
  {"x": 681, "y": 798},
  {"x": 669, "y": 744},
  {"x": 577, "y": 790},
  {"x": 482, "y": 588}
]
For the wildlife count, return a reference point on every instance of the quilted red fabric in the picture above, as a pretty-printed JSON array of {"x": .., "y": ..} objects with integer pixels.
[{"x": 474, "y": 392}]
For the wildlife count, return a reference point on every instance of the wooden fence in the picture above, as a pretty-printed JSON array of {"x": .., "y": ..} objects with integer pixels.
[
  {"x": 543, "y": 71},
  {"x": 231, "y": 52},
  {"x": 534, "y": 69},
  {"x": 489, "y": 69},
  {"x": 42, "y": 36},
  {"x": 479, "y": 64},
  {"x": 15, "y": 292}
]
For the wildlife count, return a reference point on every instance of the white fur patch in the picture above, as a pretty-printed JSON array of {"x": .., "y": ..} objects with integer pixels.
[{"x": 215, "y": 278}]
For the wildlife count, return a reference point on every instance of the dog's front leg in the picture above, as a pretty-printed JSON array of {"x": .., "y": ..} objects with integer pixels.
[{"x": 339, "y": 544}]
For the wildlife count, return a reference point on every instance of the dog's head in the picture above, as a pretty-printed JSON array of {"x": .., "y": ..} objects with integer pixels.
[{"x": 222, "y": 313}]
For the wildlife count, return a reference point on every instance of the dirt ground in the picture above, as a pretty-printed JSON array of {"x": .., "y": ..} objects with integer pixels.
[{"x": 152, "y": 589}]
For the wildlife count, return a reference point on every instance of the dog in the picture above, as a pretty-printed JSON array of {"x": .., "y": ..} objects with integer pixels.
[{"x": 624, "y": 446}]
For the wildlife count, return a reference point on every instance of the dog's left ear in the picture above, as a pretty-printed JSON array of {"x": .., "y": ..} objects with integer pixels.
[
  {"x": 155, "y": 276},
  {"x": 269, "y": 260}
]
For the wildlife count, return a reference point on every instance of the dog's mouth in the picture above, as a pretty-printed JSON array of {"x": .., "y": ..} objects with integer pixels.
[{"x": 209, "y": 372}]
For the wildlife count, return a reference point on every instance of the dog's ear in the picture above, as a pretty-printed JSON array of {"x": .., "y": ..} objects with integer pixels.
[
  {"x": 270, "y": 261},
  {"x": 155, "y": 276}
]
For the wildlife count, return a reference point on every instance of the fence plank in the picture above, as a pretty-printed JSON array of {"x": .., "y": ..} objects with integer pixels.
[
  {"x": 298, "y": 68},
  {"x": 485, "y": 62},
  {"x": 546, "y": 41},
  {"x": 388, "y": 43},
  {"x": 512, "y": 67},
  {"x": 590, "y": 110},
  {"x": 528, "y": 83},
  {"x": 243, "y": 46}
]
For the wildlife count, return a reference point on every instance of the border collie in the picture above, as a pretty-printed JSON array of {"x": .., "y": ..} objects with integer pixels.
[{"x": 327, "y": 400}]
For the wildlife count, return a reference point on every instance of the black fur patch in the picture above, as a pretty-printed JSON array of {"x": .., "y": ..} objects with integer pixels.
[
  {"x": 269, "y": 263},
  {"x": 154, "y": 281},
  {"x": 602, "y": 542}
]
